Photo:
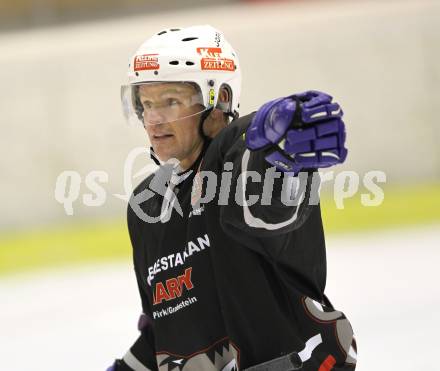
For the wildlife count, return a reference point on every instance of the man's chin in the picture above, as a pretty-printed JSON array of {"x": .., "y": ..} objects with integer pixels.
[{"x": 165, "y": 157}]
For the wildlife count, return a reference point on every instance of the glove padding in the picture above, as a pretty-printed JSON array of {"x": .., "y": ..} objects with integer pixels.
[
  {"x": 302, "y": 131},
  {"x": 119, "y": 365}
]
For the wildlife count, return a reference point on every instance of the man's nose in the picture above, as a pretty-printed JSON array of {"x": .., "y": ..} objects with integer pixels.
[{"x": 154, "y": 117}]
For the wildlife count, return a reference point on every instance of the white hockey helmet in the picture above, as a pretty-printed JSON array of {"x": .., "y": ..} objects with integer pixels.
[{"x": 199, "y": 55}]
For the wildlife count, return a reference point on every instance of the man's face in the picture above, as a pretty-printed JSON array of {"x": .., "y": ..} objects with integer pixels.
[{"x": 171, "y": 119}]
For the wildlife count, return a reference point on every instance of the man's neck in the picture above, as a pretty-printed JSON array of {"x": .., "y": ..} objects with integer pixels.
[{"x": 189, "y": 161}]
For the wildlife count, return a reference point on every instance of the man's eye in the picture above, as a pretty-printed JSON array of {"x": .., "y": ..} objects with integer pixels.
[
  {"x": 173, "y": 102},
  {"x": 147, "y": 105}
]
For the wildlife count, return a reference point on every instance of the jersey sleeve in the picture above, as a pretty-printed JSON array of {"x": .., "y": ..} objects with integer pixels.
[
  {"x": 141, "y": 355},
  {"x": 262, "y": 201}
]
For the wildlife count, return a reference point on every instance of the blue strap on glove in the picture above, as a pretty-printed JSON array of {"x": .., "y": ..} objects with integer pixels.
[
  {"x": 112, "y": 367},
  {"x": 119, "y": 365},
  {"x": 302, "y": 131}
]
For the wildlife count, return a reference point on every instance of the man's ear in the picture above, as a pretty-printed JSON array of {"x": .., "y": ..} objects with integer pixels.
[
  {"x": 224, "y": 99},
  {"x": 224, "y": 95}
]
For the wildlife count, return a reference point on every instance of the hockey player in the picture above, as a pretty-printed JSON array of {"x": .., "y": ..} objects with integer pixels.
[{"x": 230, "y": 276}]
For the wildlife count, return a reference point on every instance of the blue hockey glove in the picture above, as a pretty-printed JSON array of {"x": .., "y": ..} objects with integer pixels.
[
  {"x": 119, "y": 365},
  {"x": 302, "y": 131}
]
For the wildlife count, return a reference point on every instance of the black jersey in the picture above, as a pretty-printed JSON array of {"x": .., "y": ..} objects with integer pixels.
[{"x": 229, "y": 283}]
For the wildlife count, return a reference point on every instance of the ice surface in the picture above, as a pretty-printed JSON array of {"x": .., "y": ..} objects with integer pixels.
[{"x": 387, "y": 284}]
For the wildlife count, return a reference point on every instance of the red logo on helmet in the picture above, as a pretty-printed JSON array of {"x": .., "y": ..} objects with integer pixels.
[
  {"x": 212, "y": 60},
  {"x": 146, "y": 62}
]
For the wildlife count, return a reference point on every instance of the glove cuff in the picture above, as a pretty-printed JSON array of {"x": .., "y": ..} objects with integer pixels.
[{"x": 119, "y": 365}]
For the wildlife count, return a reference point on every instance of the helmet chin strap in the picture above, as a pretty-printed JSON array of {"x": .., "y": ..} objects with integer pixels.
[
  {"x": 203, "y": 117},
  {"x": 154, "y": 157}
]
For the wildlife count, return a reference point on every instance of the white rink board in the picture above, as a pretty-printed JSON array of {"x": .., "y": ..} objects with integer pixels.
[
  {"x": 60, "y": 106},
  {"x": 386, "y": 283}
]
